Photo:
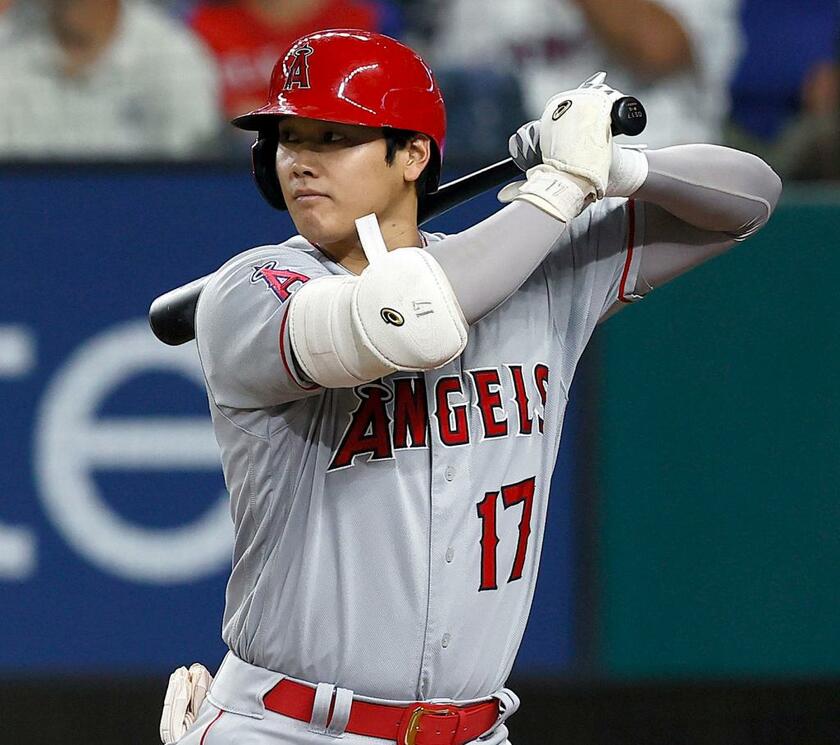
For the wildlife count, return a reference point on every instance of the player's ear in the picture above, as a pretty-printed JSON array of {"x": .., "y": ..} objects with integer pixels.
[{"x": 418, "y": 151}]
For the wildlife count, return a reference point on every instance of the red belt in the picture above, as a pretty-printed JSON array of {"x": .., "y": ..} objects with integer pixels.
[{"x": 415, "y": 724}]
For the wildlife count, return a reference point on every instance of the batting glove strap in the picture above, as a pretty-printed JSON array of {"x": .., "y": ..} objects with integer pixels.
[{"x": 556, "y": 193}]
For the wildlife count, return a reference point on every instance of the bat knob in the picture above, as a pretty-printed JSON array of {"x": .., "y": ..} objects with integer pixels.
[{"x": 628, "y": 117}]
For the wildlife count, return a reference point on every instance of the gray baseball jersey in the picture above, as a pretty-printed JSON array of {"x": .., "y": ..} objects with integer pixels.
[{"x": 388, "y": 535}]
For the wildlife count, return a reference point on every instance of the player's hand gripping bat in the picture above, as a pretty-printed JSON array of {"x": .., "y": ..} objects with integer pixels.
[{"x": 172, "y": 315}]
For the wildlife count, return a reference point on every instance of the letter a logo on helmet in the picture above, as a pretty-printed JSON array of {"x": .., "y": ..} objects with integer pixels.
[{"x": 298, "y": 75}]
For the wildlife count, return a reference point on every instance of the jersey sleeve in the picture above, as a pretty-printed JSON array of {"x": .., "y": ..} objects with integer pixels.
[
  {"x": 241, "y": 329},
  {"x": 594, "y": 266}
]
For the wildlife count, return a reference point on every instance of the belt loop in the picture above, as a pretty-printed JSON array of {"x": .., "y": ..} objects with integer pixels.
[
  {"x": 341, "y": 712},
  {"x": 458, "y": 727},
  {"x": 321, "y": 708},
  {"x": 508, "y": 704}
]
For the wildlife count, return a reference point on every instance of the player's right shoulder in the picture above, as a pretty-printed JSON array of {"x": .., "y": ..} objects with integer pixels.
[
  {"x": 240, "y": 320},
  {"x": 295, "y": 253},
  {"x": 260, "y": 280},
  {"x": 268, "y": 267}
]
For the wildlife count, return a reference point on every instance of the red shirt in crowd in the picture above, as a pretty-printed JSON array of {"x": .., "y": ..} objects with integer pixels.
[{"x": 246, "y": 47}]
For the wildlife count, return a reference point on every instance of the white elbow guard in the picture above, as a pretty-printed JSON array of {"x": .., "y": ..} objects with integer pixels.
[{"x": 399, "y": 314}]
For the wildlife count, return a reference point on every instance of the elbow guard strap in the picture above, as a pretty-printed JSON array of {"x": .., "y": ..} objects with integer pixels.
[{"x": 399, "y": 314}]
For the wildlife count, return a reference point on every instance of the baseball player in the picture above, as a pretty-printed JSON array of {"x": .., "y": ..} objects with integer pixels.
[{"x": 388, "y": 402}]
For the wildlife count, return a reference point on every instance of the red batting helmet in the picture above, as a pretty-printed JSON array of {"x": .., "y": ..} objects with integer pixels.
[{"x": 352, "y": 77}]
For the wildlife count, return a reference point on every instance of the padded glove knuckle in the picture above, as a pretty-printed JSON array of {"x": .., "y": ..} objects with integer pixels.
[{"x": 575, "y": 135}]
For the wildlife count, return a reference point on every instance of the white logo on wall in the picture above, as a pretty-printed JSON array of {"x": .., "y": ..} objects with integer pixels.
[
  {"x": 18, "y": 546},
  {"x": 71, "y": 443}
]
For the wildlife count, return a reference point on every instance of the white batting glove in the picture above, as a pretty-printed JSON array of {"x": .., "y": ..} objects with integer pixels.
[
  {"x": 576, "y": 146},
  {"x": 185, "y": 693},
  {"x": 628, "y": 168}
]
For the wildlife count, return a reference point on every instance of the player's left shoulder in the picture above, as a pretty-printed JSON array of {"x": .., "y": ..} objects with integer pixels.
[
  {"x": 262, "y": 267},
  {"x": 428, "y": 238}
]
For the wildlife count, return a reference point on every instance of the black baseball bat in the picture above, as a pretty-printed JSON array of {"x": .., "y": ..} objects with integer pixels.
[{"x": 172, "y": 315}]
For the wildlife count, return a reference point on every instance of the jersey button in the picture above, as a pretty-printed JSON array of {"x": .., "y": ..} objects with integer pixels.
[
  {"x": 449, "y": 473},
  {"x": 450, "y": 554},
  {"x": 444, "y": 642}
]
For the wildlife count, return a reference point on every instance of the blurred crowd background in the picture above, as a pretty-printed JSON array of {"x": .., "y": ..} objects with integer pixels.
[
  {"x": 689, "y": 585},
  {"x": 159, "y": 79}
]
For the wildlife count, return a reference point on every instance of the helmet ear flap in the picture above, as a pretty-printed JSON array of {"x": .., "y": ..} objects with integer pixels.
[{"x": 263, "y": 157}]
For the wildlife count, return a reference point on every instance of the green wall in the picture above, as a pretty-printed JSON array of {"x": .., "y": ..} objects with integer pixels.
[{"x": 719, "y": 462}]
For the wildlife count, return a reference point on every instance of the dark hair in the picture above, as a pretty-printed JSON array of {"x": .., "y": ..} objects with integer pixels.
[{"x": 397, "y": 139}]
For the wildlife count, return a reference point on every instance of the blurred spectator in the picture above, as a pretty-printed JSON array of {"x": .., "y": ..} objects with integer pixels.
[
  {"x": 786, "y": 93},
  {"x": 248, "y": 36},
  {"x": 483, "y": 107},
  {"x": 419, "y": 21},
  {"x": 4, "y": 17},
  {"x": 676, "y": 56},
  {"x": 103, "y": 79}
]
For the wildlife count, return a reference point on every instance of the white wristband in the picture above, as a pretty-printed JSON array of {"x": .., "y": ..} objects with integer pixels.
[{"x": 628, "y": 171}]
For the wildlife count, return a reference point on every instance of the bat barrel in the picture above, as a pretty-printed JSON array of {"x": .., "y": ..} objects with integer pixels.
[{"x": 172, "y": 315}]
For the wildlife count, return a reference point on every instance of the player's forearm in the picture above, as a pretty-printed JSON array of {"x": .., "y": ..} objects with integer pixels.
[
  {"x": 711, "y": 187},
  {"x": 488, "y": 262}
]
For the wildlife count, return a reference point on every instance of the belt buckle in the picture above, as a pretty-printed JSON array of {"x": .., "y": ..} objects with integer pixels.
[{"x": 413, "y": 726}]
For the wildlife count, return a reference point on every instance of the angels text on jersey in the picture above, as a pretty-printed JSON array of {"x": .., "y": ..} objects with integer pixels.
[{"x": 396, "y": 413}]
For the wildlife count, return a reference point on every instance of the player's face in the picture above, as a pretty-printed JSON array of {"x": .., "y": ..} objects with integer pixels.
[{"x": 332, "y": 174}]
